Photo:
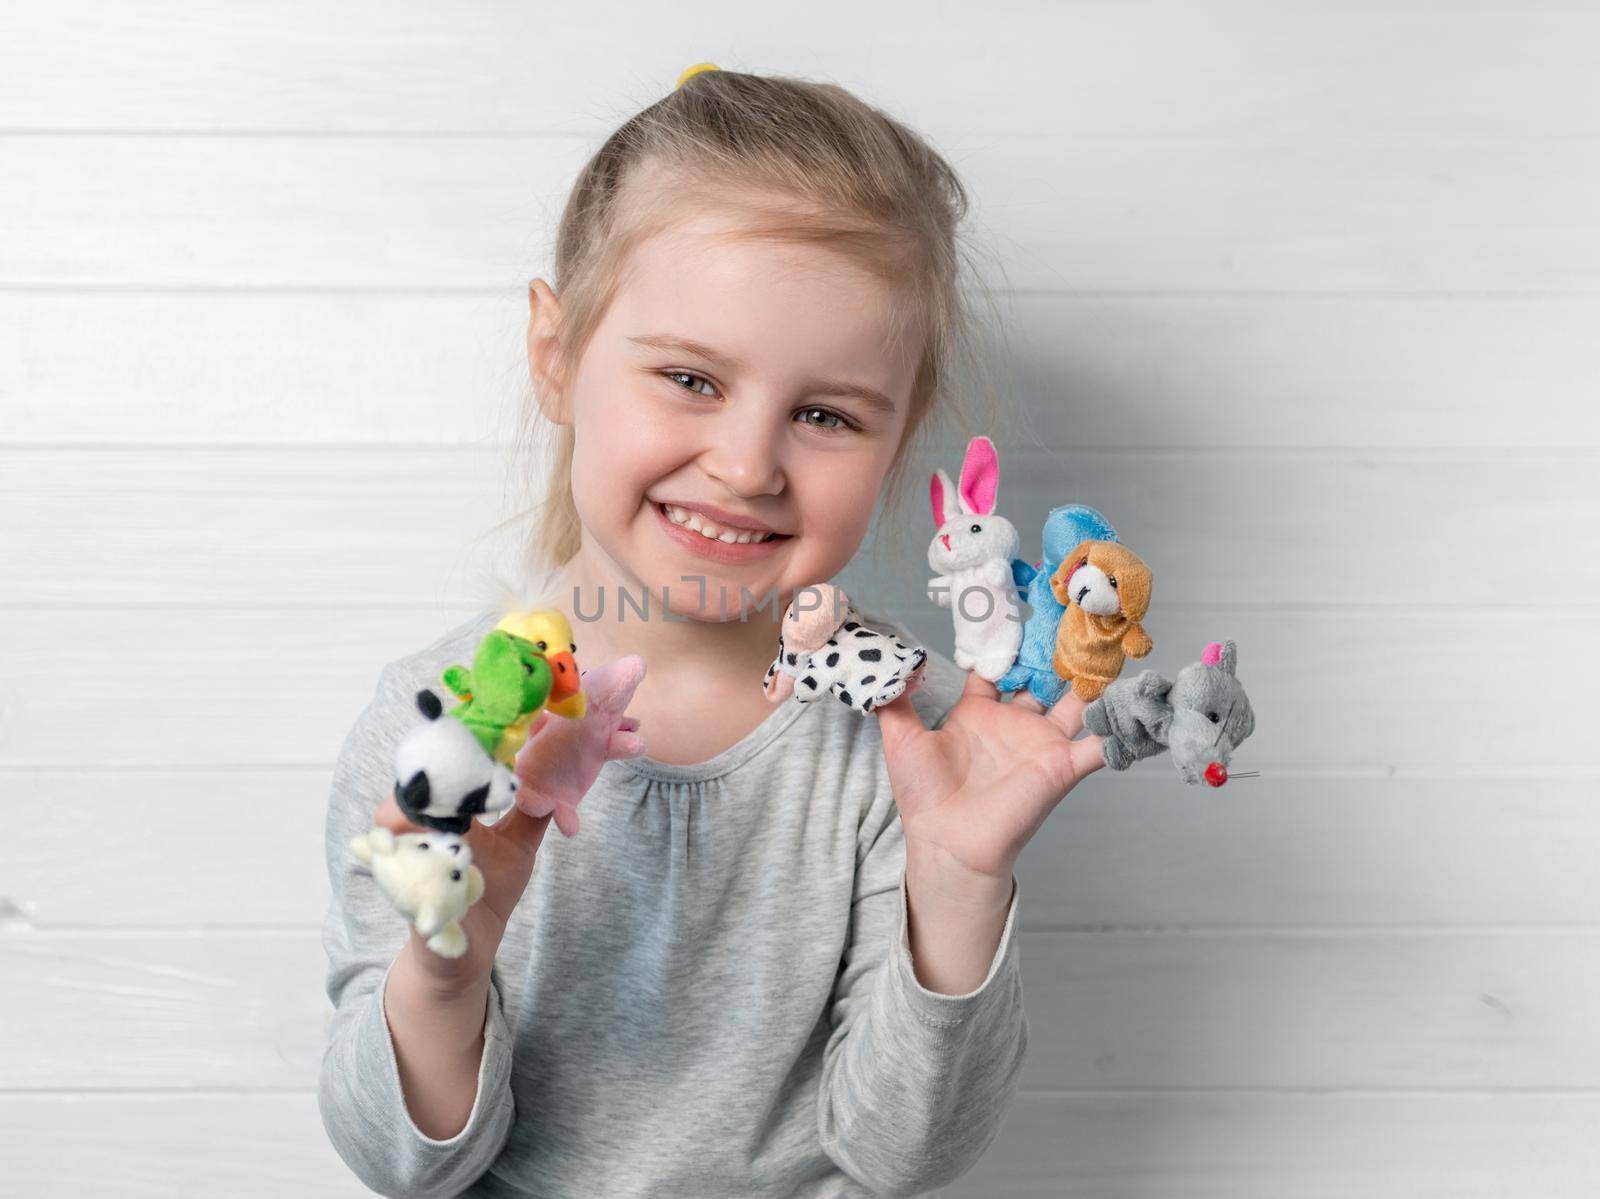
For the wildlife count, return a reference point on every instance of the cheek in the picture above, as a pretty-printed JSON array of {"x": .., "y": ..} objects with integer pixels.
[
  {"x": 836, "y": 510},
  {"x": 622, "y": 444},
  {"x": 843, "y": 511}
]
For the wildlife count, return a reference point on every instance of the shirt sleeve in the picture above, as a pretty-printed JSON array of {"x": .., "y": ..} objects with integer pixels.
[
  {"x": 363, "y": 1106},
  {"x": 914, "y": 1083}
]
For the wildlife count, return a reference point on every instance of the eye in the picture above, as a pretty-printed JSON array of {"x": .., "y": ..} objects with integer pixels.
[
  {"x": 422, "y": 845},
  {"x": 572, "y": 647},
  {"x": 821, "y": 416},
  {"x": 455, "y": 876},
  {"x": 542, "y": 646},
  {"x": 977, "y": 528},
  {"x": 1112, "y": 579},
  {"x": 527, "y": 667},
  {"x": 1213, "y": 717},
  {"x": 675, "y": 375}
]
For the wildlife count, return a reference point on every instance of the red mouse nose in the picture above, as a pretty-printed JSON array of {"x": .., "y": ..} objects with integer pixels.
[{"x": 1216, "y": 774}]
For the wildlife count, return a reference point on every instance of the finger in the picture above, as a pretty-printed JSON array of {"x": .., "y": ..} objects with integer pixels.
[
  {"x": 388, "y": 815},
  {"x": 533, "y": 750},
  {"x": 624, "y": 744},
  {"x": 1088, "y": 756},
  {"x": 979, "y": 687},
  {"x": 897, "y": 721},
  {"x": 1068, "y": 713},
  {"x": 519, "y": 827},
  {"x": 1027, "y": 701}
]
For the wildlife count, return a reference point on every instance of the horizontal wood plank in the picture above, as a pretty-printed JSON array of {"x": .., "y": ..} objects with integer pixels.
[
  {"x": 1138, "y": 1146},
  {"x": 1073, "y": 373},
  {"x": 1255, "y": 1146},
  {"x": 155, "y": 1146},
  {"x": 1106, "y": 1011},
  {"x": 167, "y": 211},
  {"x": 361, "y": 527},
  {"x": 1314, "y": 1010},
  {"x": 1233, "y": 68},
  {"x": 1334, "y": 689},
  {"x": 1125, "y": 851}
]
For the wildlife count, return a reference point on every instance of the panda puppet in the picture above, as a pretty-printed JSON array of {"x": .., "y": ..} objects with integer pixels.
[{"x": 460, "y": 764}]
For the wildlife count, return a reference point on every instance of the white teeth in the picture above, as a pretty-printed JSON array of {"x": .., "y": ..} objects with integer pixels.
[{"x": 709, "y": 529}]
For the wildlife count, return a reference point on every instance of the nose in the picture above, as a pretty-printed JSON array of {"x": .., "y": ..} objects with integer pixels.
[
  {"x": 945, "y": 537},
  {"x": 744, "y": 457},
  {"x": 563, "y": 675}
]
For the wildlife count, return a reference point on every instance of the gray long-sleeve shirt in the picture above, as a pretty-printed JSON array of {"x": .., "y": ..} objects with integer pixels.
[{"x": 707, "y": 992}]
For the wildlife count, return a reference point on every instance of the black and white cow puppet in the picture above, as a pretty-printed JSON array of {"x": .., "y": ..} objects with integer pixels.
[{"x": 823, "y": 647}]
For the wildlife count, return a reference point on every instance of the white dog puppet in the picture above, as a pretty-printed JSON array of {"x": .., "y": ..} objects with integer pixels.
[
  {"x": 972, "y": 553},
  {"x": 429, "y": 878}
]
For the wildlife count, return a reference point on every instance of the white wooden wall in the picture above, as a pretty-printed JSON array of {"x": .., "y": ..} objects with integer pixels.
[{"x": 1303, "y": 295}]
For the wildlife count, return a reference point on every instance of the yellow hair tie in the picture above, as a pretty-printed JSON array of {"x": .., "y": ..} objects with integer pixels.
[{"x": 695, "y": 70}]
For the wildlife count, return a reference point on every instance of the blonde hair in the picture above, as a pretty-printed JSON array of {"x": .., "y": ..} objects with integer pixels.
[{"x": 838, "y": 173}]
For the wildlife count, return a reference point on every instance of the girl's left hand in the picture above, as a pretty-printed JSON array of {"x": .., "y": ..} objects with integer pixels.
[{"x": 974, "y": 792}]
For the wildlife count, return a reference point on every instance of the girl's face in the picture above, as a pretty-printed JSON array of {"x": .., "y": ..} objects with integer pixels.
[{"x": 735, "y": 415}]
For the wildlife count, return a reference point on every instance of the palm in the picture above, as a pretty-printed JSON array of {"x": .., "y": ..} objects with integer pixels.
[
  {"x": 505, "y": 852},
  {"x": 979, "y": 787},
  {"x": 558, "y": 763}
]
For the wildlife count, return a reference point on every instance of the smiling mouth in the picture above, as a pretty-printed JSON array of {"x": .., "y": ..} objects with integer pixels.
[{"x": 712, "y": 531}]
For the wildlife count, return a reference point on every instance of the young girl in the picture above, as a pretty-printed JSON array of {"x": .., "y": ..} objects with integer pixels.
[{"x": 779, "y": 957}]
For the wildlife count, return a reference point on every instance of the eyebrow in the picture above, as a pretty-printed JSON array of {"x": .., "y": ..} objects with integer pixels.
[{"x": 664, "y": 341}]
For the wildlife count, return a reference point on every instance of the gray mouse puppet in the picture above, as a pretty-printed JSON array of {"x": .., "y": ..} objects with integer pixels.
[{"x": 1201, "y": 717}]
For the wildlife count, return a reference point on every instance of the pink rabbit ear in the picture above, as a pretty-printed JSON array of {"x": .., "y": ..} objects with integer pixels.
[
  {"x": 980, "y": 477},
  {"x": 1213, "y": 654},
  {"x": 941, "y": 493}
]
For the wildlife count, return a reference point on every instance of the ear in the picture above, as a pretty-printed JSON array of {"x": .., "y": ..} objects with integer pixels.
[
  {"x": 1247, "y": 725},
  {"x": 544, "y": 352},
  {"x": 980, "y": 477},
  {"x": 1230, "y": 658},
  {"x": 942, "y": 494},
  {"x": 1063, "y": 573}
]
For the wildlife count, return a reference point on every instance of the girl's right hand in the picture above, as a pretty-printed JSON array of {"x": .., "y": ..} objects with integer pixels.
[
  {"x": 555, "y": 769},
  {"x": 504, "y": 851},
  {"x": 434, "y": 1005}
]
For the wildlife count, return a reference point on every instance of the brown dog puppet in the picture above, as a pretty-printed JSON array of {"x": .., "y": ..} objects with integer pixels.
[{"x": 1106, "y": 589}]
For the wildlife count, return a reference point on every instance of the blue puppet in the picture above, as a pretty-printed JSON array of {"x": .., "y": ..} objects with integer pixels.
[{"x": 1064, "y": 529}]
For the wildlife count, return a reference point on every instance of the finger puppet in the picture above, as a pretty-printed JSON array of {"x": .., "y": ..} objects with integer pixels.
[
  {"x": 570, "y": 753},
  {"x": 972, "y": 555},
  {"x": 458, "y": 764},
  {"x": 1202, "y": 717},
  {"x": 818, "y": 653},
  {"x": 1065, "y": 528},
  {"x": 549, "y": 632},
  {"x": 429, "y": 878},
  {"x": 523, "y": 664},
  {"x": 443, "y": 777},
  {"x": 1105, "y": 589}
]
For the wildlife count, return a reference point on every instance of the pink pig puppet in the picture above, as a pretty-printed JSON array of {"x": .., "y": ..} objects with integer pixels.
[{"x": 562, "y": 758}]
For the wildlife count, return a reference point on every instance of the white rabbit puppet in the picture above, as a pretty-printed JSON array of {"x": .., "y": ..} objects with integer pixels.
[{"x": 973, "y": 553}]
